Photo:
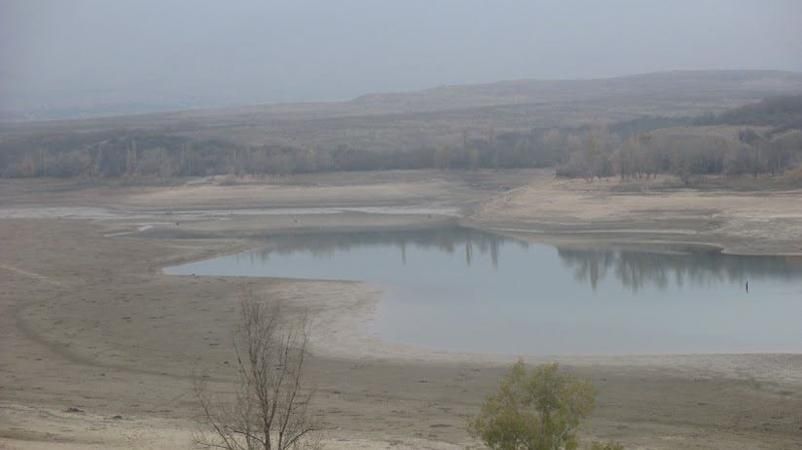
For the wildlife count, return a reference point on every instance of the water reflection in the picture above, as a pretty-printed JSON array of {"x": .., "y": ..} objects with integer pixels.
[
  {"x": 466, "y": 290},
  {"x": 448, "y": 240},
  {"x": 634, "y": 269}
]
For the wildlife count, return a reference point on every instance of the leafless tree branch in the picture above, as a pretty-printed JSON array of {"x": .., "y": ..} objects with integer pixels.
[{"x": 270, "y": 410}]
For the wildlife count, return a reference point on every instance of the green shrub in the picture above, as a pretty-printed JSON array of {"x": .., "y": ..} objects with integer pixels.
[{"x": 538, "y": 409}]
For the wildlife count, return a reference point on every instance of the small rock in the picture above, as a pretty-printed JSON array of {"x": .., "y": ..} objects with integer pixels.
[{"x": 73, "y": 409}]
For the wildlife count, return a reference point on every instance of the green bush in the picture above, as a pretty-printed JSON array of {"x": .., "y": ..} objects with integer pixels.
[{"x": 538, "y": 409}]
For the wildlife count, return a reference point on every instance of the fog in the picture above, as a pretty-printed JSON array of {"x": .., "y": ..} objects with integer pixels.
[{"x": 150, "y": 55}]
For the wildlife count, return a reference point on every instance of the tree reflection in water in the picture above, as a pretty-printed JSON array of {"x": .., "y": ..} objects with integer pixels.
[
  {"x": 447, "y": 240},
  {"x": 634, "y": 269},
  {"x": 467, "y": 290}
]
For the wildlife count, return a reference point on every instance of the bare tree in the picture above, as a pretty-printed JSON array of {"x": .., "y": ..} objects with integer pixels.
[{"x": 270, "y": 409}]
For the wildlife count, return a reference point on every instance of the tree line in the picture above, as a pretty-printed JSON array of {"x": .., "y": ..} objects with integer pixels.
[
  {"x": 686, "y": 156},
  {"x": 142, "y": 153},
  {"x": 632, "y": 149}
]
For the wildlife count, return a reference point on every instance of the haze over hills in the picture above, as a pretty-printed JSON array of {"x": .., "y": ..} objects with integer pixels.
[
  {"x": 671, "y": 86},
  {"x": 677, "y": 85},
  {"x": 354, "y": 216},
  {"x": 443, "y": 115}
]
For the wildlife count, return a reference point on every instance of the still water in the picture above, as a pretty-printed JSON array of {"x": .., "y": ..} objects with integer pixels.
[{"x": 458, "y": 289}]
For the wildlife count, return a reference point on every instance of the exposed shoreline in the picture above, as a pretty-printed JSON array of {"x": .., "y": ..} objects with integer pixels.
[
  {"x": 94, "y": 324},
  {"x": 345, "y": 332}
]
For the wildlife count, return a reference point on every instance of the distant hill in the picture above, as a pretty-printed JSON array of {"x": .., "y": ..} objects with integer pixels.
[
  {"x": 666, "y": 123},
  {"x": 446, "y": 115},
  {"x": 782, "y": 113},
  {"x": 699, "y": 86}
]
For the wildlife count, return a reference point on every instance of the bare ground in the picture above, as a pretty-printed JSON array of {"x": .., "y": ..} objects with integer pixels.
[
  {"x": 742, "y": 222},
  {"x": 88, "y": 321}
]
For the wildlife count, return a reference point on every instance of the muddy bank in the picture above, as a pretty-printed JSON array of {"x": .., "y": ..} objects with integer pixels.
[
  {"x": 745, "y": 222},
  {"x": 88, "y": 321},
  {"x": 112, "y": 336}
]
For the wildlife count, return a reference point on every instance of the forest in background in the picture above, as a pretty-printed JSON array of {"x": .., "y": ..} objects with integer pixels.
[{"x": 759, "y": 138}]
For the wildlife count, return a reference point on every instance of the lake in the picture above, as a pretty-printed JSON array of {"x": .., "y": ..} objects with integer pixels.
[{"x": 458, "y": 289}]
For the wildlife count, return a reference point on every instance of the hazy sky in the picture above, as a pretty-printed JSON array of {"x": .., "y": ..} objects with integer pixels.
[{"x": 63, "y": 53}]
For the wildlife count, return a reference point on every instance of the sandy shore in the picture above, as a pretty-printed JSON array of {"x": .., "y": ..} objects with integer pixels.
[
  {"x": 89, "y": 321},
  {"x": 738, "y": 221}
]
